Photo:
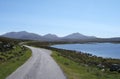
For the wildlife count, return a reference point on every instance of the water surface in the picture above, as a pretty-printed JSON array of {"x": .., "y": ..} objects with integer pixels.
[{"x": 109, "y": 50}]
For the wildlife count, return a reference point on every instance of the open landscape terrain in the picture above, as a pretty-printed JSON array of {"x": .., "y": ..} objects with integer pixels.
[
  {"x": 79, "y": 65},
  {"x": 75, "y": 65},
  {"x": 59, "y": 39}
]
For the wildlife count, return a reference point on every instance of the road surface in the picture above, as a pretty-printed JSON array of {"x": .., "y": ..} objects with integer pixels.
[{"x": 40, "y": 66}]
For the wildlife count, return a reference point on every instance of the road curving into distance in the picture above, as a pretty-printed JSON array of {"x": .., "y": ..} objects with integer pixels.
[{"x": 40, "y": 66}]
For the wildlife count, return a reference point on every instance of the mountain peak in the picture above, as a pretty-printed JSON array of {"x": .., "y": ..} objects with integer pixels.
[
  {"x": 22, "y": 35},
  {"x": 76, "y": 33},
  {"x": 22, "y": 32},
  {"x": 77, "y": 36},
  {"x": 47, "y": 37},
  {"x": 50, "y": 35}
]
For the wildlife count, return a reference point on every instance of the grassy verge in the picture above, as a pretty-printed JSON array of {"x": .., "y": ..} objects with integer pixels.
[
  {"x": 7, "y": 67},
  {"x": 74, "y": 70}
]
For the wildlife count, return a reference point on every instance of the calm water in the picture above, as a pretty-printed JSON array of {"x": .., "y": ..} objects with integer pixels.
[{"x": 99, "y": 49}]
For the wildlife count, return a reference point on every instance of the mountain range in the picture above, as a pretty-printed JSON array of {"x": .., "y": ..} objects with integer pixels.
[{"x": 74, "y": 37}]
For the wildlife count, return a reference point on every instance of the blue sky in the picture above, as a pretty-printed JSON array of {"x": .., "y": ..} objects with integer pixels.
[{"x": 99, "y": 18}]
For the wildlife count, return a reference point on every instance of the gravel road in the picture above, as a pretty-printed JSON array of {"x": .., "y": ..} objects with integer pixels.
[{"x": 40, "y": 66}]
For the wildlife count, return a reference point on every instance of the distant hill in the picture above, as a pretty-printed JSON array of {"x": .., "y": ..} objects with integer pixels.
[
  {"x": 51, "y": 37},
  {"x": 74, "y": 37},
  {"x": 23, "y": 35},
  {"x": 78, "y": 36},
  {"x": 47, "y": 37}
]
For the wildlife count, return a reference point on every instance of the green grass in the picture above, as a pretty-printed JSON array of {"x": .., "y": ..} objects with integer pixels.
[
  {"x": 74, "y": 70},
  {"x": 7, "y": 67}
]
